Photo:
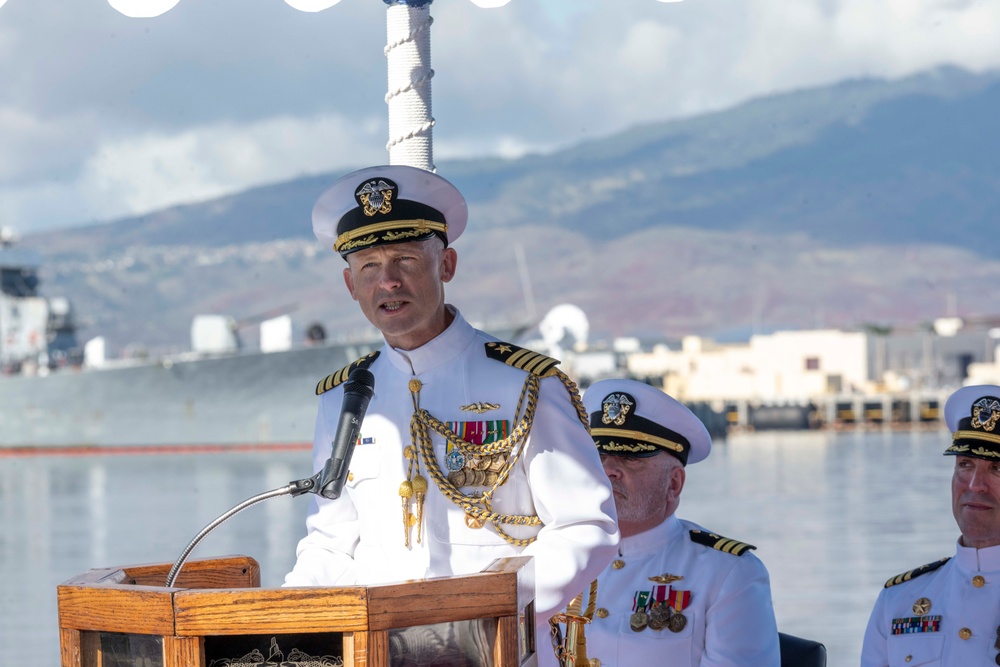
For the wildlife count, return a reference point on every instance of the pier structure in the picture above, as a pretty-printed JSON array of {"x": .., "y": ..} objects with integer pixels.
[{"x": 895, "y": 410}]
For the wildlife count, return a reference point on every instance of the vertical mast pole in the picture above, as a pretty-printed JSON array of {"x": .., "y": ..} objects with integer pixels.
[{"x": 408, "y": 52}]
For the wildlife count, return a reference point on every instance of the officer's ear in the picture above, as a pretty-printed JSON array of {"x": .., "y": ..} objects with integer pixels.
[
  {"x": 677, "y": 477},
  {"x": 449, "y": 262},
  {"x": 349, "y": 281}
]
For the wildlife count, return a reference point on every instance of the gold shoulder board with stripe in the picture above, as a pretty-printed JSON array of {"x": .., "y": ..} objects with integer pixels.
[
  {"x": 334, "y": 379},
  {"x": 721, "y": 543},
  {"x": 519, "y": 357},
  {"x": 913, "y": 574}
]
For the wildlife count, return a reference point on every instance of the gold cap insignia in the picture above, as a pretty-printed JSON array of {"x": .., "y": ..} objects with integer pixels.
[
  {"x": 616, "y": 407},
  {"x": 985, "y": 413},
  {"x": 375, "y": 196}
]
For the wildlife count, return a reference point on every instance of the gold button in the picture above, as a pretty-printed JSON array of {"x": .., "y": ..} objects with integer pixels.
[
  {"x": 618, "y": 564},
  {"x": 908, "y": 658},
  {"x": 415, "y": 385},
  {"x": 978, "y": 581},
  {"x": 594, "y": 662},
  {"x": 602, "y": 612},
  {"x": 350, "y": 477},
  {"x": 965, "y": 633}
]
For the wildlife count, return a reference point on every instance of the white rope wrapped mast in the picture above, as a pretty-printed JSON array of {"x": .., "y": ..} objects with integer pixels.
[{"x": 408, "y": 52}]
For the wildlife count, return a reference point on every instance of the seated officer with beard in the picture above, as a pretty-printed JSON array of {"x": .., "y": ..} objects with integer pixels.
[{"x": 677, "y": 594}]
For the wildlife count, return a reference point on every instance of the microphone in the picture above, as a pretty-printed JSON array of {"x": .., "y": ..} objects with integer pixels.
[
  {"x": 358, "y": 391},
  {"x": 329, "y": 482}
]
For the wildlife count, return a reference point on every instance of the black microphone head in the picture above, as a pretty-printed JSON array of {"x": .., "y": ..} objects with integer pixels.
[{"x": 360, "y": 381}]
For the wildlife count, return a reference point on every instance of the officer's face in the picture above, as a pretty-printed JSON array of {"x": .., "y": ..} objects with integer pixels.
[
  {"x": 400, "y": 288},
  {"x": 647, "y": 490},
  {"x": 975, "y": 500}
]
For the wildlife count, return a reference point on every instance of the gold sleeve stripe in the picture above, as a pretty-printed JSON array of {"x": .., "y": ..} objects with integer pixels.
[
  {"x": 339, "y": 377},
  {"x": 533, "y": 362},
  {"x": 916, "y": 572},
  {"x": 638, "y": 436},
  {"x": 732, "y": 546},
  {"x": 724, "y": 544},
  {"x": 523, "y": 359}
]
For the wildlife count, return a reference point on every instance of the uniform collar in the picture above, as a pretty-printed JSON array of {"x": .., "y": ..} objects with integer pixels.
[
  {"x": 449, "y": 344},
  {"x": 653, "y": 540},
  {"x": 978, "y": 560}
]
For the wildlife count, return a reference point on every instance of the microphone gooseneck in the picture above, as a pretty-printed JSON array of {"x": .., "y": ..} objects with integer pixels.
[{"x": 328, "y": 482}]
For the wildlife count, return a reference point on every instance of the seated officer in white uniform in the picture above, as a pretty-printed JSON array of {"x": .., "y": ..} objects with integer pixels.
[
  {"x": 677, "y": 594},
  {"x": 471, "y": 449},
  {"x": 947, "y": 613}
]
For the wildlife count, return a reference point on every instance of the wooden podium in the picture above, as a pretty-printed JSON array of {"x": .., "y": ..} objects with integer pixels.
[{"x": 217, "y": 615}]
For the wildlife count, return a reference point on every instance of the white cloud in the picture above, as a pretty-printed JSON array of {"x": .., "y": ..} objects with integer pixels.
[
  {"x": 103, "y": 116},
  {"x": 138, "y": 174},
  {"x": 148, "y": 172}
]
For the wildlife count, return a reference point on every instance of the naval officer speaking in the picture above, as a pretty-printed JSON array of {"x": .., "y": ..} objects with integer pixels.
[
  {"x": 471, "y": 449},
  {"x": 676, "y": 594}
]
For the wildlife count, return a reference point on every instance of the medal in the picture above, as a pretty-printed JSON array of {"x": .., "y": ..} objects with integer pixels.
[
  {"x": 659, "y": 612},
  {"x": 639, "y": 619},
  {"x": 455, "y": 459},
  {"x": 659, "y": 616},
  {"x": 677, "y": 600},
  {"x": 677, "y": 622}
]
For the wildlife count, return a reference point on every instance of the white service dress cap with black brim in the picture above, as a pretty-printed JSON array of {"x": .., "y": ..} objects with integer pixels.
[
  {"x": 973, "y": 416},
  {"x": 388, "y": 204},
  {"x": 632, "y": 418}
]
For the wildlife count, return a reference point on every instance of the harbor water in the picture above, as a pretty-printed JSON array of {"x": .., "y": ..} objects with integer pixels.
[{"x": 833, "y": 515}]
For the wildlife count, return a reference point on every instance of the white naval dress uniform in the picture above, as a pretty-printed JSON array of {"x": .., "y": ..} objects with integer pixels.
[
  {"x": 730, "y": 617},
  {"x": 959, "y": 627},
  {"x": 359, "y": 537}
]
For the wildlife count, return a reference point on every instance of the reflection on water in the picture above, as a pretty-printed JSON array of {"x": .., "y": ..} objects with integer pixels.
[{"x": 833, "y": 516}]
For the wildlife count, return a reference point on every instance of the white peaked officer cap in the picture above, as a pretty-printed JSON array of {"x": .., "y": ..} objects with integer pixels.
[
  {"x": 631, "y": 418},
  {"x": 973, "y": 417},
  {"x": 388, "y": 204}
]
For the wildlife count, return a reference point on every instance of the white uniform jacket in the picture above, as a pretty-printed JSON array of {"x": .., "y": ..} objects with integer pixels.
[
  {"x": 946, "y": 616},
  {"x": 726, "y": 602},
  {"x": 359, "y": 537}
]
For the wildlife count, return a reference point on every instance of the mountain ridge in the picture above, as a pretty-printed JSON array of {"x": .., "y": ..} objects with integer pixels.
[{"x": 800, "y": 209}]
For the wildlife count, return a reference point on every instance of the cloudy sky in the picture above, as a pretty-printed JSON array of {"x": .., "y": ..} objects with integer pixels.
[{"x": 103, "y": 116}]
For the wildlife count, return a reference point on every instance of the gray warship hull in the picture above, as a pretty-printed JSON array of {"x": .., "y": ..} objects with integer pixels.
[{"x": 249, "y": 398}]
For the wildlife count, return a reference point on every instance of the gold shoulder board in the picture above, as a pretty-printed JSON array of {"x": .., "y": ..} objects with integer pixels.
[
  {"x": 721, "y": 543},
  {"x": 913, "y": 574},
  {"x": 519, "y": 357},
  {"x": 334, "y": 379}
]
